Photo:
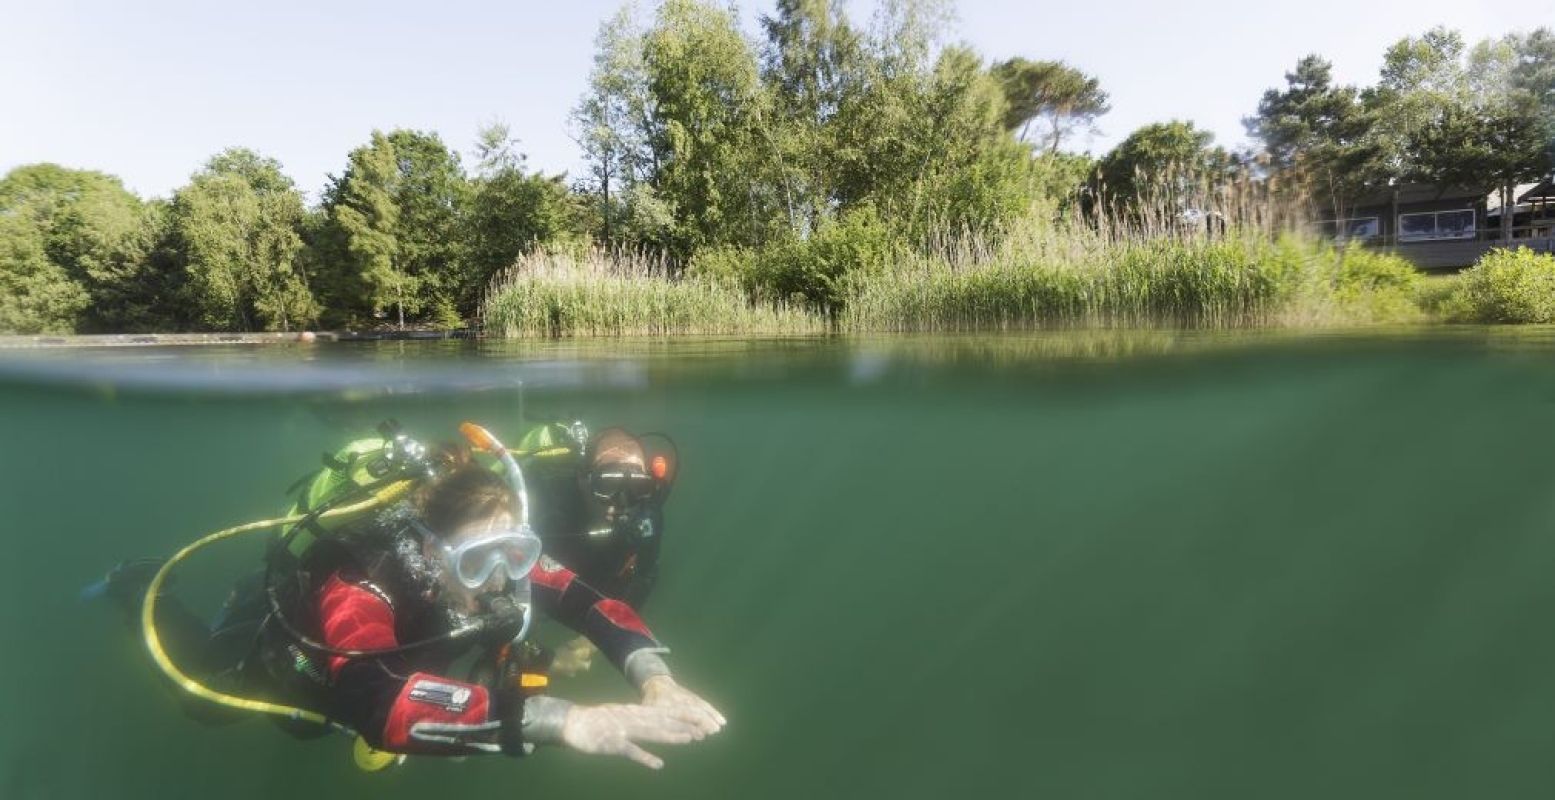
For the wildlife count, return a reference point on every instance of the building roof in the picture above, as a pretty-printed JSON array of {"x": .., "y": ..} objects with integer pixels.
[
  {"x": 1419, "y": 193},
  {"x": 1493, "y": 203},
  {"x": 1543, "y": 189}
]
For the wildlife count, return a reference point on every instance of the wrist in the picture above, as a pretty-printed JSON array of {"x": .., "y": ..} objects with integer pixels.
[
  {"x": 644, "y": 664},
  {"x": 544, "y": 718}
]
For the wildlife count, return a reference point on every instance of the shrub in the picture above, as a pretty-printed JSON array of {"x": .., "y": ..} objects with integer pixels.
[
  {"x": 1377, "y": 286},
  {"x": 816, "y": 271},
  {"x": 1516, "y": 286}
]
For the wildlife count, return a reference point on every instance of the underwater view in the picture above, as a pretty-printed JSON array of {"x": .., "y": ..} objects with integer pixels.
[{"x": 1090, "y": 564}]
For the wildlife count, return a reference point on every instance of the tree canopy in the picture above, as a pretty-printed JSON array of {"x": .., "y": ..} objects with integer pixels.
[
  {"x": 1440, "y": 112},
  {"x": 1063, "y": 96},
  {"x": 791, "y": 157}
]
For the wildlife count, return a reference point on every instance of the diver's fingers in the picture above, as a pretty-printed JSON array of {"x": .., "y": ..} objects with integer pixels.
[
  {"x": 642, "y": 756},
  {"x": 718, "y": 715},
  {"x": 700, "y": 712},
  {"x": 710, "y": 720},
  {"x": 707, "y": 710},
  {"x": 694, "y": 715}
]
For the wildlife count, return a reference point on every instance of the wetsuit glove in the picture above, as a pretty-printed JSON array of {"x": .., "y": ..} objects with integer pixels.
[{"x": 527, "y": 720}]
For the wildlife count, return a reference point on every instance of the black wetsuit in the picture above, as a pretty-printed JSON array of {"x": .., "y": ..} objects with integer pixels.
[{"x": 623, "y": 563}]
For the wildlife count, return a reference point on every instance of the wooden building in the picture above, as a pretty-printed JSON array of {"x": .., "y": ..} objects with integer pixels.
[{"x": 1442, "y": 227}]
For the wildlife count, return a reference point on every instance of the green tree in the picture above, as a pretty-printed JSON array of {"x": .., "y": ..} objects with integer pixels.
[
  {"x": 1452, "y": 115},
  {"x": 394, "y": 219},
  {"x": 511, "y": 212},
  {"x": 36, "y": 296},
  {"x": 100, "y": 237},
  {"x": 613, "y": 123},
  {"x": 708, "y": 106},
  {"x": 813, "y": 63},
  {"x": 1062, "y": 96},
  {"x": 923, "y": 141},
  {"x": 1533, "y": 72},
  {"x": 236, "y": 227},
  {"x": 1421, "y": 83},
  {"x": 1151, "y": 169},
  {"x": 972, "y": 176},
  {"x": 1318, "y": 136}
]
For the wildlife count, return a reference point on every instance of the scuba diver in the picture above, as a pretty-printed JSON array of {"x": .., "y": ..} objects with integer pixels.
[
  {"x": 401, "y": 568},
  {"x": 602, "y": 510},
  {"x": 603, "y": 503}
]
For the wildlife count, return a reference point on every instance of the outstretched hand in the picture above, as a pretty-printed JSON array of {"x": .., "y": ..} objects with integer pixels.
[
  {"x": 615, "y": 729},
  {"x": 662, "y": 692}
]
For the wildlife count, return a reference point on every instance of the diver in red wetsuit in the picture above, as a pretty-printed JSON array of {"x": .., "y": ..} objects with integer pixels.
[{"x": 408, "y": 628}]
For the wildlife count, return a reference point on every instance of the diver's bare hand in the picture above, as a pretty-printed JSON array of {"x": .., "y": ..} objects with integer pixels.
[
  {"x": 615, "y": 729},
  {"x": 661, "y": 691},
  {"x": 574, "y": 657}
]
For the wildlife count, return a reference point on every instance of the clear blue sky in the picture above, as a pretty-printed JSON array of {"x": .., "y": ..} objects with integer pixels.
[{"x": 149, "y": 90}]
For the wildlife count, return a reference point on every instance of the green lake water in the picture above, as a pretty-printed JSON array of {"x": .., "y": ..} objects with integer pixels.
[{"x": 1136, "y": 565}]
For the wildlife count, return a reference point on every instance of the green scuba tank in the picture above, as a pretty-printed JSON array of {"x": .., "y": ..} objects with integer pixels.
[
  {"x": 363, "y": 476},
  {"x": 552, "y": 448},
  {"x": 553, "y": 439}
]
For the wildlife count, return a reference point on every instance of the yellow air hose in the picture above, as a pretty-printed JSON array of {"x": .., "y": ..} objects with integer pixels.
[{"x": 148, "y": 608}]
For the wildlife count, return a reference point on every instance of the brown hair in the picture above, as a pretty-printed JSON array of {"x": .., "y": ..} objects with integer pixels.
[{"x": 462, "y": 493}]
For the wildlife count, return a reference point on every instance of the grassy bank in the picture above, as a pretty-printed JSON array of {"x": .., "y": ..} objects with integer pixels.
[{"x": 1047, "y": 279}]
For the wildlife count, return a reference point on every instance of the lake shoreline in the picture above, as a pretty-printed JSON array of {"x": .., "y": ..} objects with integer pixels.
[{"x": 67, "y": 341}]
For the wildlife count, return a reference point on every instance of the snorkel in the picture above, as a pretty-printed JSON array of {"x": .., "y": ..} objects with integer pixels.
[{"x": 482, "y": 439}]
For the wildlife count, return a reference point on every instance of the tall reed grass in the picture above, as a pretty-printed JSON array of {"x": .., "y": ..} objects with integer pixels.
[
  {"x": 1235, "y": 281},
  {"x": 626, "y": 293}
]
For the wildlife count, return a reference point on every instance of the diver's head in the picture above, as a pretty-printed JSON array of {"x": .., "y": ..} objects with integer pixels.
[
  {"x": 468, "y": 516},
  {"x": 618, "y": 480}
]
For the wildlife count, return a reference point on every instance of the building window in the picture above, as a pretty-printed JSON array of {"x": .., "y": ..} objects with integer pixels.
[
  {"x": 1432, "y": 225},
  {"x": 1358, "y": 229}
]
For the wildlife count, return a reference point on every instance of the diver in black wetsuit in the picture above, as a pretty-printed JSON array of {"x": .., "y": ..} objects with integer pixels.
[{"x": 601, "y": 511}]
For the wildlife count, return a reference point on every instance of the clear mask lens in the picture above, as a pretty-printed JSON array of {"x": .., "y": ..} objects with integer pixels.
[{"x": 475, "y": 561}]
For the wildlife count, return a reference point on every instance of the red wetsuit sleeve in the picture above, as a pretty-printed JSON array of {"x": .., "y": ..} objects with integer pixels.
[
  {"x": 354, "y": 617},
  {"x": 424, "y": 713},
  {"x": 611, "y": 625}
]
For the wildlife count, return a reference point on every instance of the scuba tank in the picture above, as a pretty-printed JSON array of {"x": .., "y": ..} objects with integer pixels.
[
  {"x": 337, "y": 507},
  {"x": 383, "y": 469}
]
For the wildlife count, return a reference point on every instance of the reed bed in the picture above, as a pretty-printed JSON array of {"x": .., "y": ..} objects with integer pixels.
[
  {"x": 1240, "y": 281},
  {"x": 600, "y": 293}
]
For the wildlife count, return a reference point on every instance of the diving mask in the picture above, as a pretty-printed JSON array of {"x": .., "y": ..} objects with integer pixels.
[
  {"x": 474, "y": 561},
  {"x": 622, "y": 485}
]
